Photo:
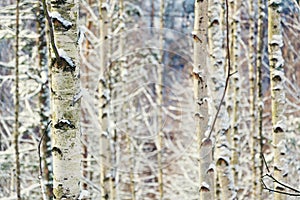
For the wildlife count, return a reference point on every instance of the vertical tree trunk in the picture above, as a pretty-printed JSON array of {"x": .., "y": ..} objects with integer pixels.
[
  {"x": 130, "y": 186},
  {"x": 259, "y": 63},
  {"x": 65, "y": 101},
  {"x": 104, "y": 98},
  {"x": 159, "y": 101},
  {"x": 216, "y": 88},
  {"x": 44, "y": 98},
  {"x": 275, "y": 42},
  {"x": 86, "y": 157},
  {"x": 112, "y": 77},
  {"x": 17, "y": 105},
  {"x": 223, "y": 152},
  {"x": 216, "y": 69},
  {"x": 206, "y": 167},
  {"x": 235, "y": 86},
  {"x": 251, "y": 68}
]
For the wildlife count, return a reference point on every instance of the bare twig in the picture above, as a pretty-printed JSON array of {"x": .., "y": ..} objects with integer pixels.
[
  {"x": 40, "y": 164},
  {"x": 282, "y": 184},
  {"x": 51, "y": 31},
  {"x": 229, "y": 74},
  {"x": 263, "y": 157},
  {"x": 297, "y": 192},
  {"x": 39, "y": 148}
]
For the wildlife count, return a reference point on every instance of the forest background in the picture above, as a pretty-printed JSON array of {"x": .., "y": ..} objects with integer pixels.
[{"x": 119, "y": 99}]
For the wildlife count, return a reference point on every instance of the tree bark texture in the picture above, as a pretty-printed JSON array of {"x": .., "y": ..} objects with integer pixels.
[
  {"x": 276, "y": 61},
  {"x": 17, "y": 108},
  {"x": 65, "y": 103},
  {"x": 206, "y": 166}
]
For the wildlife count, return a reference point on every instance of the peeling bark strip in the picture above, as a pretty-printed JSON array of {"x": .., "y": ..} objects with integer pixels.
[
  {"x": 277, "y": 93},
  {"x": 65, "y": 133}
]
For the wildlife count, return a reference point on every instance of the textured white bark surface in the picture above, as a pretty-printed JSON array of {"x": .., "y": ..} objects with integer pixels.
[
  {"x": 277, "y": 93},
  {"x": 216, "y": 86},
  {"x": 65, "y": 133},
  {"x": 104, "y": 115},
  {"x": 259, "y": 100},
  {"x": 206, "y": 174}
]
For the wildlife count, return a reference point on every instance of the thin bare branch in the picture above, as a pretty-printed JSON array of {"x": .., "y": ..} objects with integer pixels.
[
  {"x": 51, "y": 31},
  {"x": 297, "y": 192},
  {"x": 39, "y": 149},
  {"x": 263, "y": 157},
  {"x": 282, "y": 184},
  {"x": 278, "y": 191}
]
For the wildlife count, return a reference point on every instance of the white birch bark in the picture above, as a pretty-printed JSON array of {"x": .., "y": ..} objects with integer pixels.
[
  {"x": 130, "y": 184},
  {"x": 216, "y": 70},
  {"x": 65, "y": 106},
  {"x": 225, "y": 189},
  {"x": 85, "y": 70},
  {"x": 235, "y": 86},
  {"x": 112, "y": 77},
  {"x": 252, "y": 99},
  {"x": 159, "y": 101},
  {"x": 104, "y": 98},
  {"x": 275, "y": 42},
  {"x": 260, "y": 107},
  {"x": 206, "y": 166}
]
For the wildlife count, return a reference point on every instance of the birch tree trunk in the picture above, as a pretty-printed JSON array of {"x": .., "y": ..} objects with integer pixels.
[
  {"x": 260, "y": 107},
  {"x": 206, "y": 166},
  {"x": 17, "y": 106},
  {"x": 275, "y": 42},
  {"x": 130, "y": 185},
  {"x": 104, "y": 97},
  {"x": 159, "y": 101},
  {"x": 251, "y": 68},
  {"x": 235, "y": 86},
  {"x": 86, "y": 173},
  {"x": 224, "y": 136},
  {"x": 216, "y": 85},
  {"x": 65, "y": 101},
  {"x": 216, "y": 69},
  {"x": 44, "y": 100},
  {"x": 113, "y": 79}
]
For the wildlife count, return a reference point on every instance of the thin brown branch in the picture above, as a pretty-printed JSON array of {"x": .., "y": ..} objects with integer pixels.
[
  {"x": 263, "y": 157},
  {"x": 39, "y": 149},
  {"x": 51, "y": 31},
  {"x": 278, "y": 191},
  {"x": 297, "y": 192},
  {"x": 282, "y": 184}
]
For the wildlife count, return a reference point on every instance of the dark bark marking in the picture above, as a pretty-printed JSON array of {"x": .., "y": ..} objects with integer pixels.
[{"x": 57, "y": 150}]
